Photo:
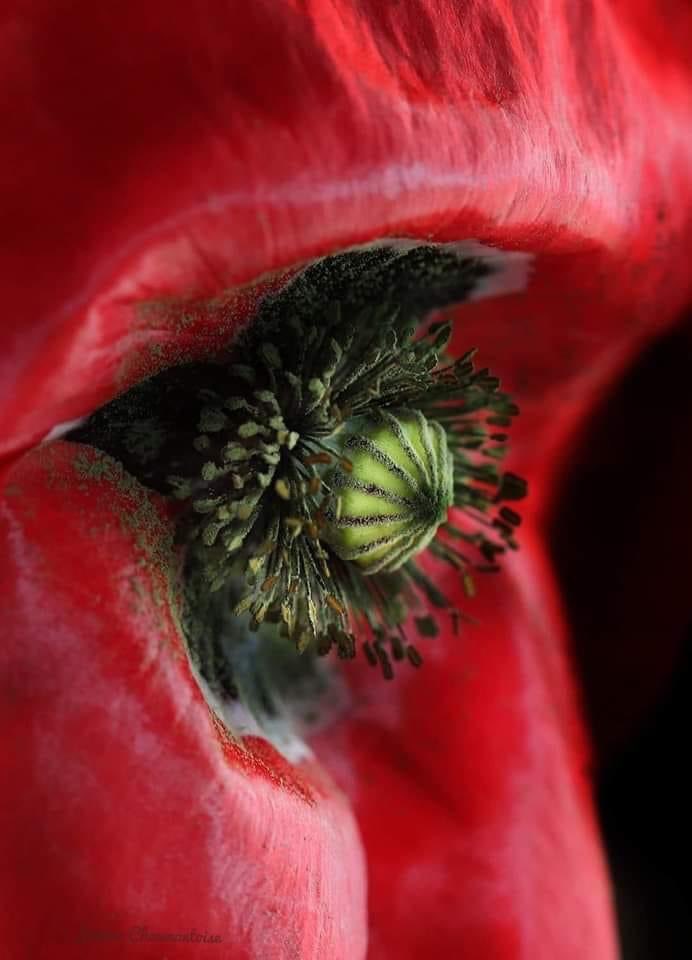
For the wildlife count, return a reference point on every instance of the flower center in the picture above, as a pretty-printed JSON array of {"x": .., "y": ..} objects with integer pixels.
[
  {"x": 395, "y": 493},
  {"x": 321, "y": 459}
]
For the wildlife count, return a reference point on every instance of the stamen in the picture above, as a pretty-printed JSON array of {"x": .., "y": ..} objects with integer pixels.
[
  {"x": 414, "y": 657},
  {"x": 344, "y": 396}
]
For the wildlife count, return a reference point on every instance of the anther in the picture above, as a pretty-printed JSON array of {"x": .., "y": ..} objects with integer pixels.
[
  {"x": 335, "y": 605},
  {"x": 283, "y": 489},
  {"x": 413, "y": 656},
  {"x": 385, "y": 662},
  {"x": 369, "y": 654}
]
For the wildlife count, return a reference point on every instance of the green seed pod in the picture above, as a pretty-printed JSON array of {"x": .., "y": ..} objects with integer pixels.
[{"x": 396, "y": 493}]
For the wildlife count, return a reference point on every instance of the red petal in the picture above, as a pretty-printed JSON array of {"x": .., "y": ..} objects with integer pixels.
[
  {"x": 163, "y": 153},
  {"x": 470, "y": 780},
  {"x": 124, "y": 805},
  {"x": 207, "y": 146}
]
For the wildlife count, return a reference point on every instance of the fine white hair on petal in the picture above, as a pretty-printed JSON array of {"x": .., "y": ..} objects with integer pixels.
[
  {"x": 511, "y": 269},
  {"x": 60, "y": 429},
  {"x": 287, "y": 728},
  {"x": 242, "y": 723},
  {"x": 278, "y": 731}
]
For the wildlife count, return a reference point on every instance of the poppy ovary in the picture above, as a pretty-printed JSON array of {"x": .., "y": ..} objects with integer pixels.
[{"x": 396, "y": 492}]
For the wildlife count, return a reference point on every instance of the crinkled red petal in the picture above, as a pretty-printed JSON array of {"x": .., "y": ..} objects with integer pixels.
[
  {"x": 125, "y": 804},
  {"x": 156, "y": 158},
  {"x": 471, "y": 782},
  {"x": 157, "y": 155}
]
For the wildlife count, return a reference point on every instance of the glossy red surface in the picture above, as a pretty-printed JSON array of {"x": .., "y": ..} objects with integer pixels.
[
  {"x": 153, "y": 161},
  {"x": 126, "y": 806}
]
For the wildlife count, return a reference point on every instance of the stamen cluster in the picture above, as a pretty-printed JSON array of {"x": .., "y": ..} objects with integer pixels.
[
  {"x": 334, "y": 443},
  {"x": 289, "y": 441}
]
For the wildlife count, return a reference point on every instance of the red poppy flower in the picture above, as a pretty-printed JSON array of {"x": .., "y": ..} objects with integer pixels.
[{"x": 157, "y": 161}]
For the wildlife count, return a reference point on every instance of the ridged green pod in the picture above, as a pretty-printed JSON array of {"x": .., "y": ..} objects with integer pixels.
[{"x": 397, "y": 493}]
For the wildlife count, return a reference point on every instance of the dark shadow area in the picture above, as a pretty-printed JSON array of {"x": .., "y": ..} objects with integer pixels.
[
  {"x": 620, "y": 538},
  {"x": 645, "y": 800}
]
